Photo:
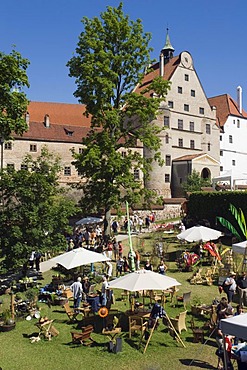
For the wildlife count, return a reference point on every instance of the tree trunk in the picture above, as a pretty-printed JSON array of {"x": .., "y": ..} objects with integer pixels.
[{"x": 107, "y": 223}]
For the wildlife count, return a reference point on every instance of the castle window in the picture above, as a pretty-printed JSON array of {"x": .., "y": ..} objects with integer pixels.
[
  {"x": 238, "y": 123},
  {"x": 136, "y": 174},
  {"x": 186, "y": 107},
  {"x": 170, "y": 104},
  {"x": 209, "y": 147},
  {"x": 8, "y": 145},
  {"x": 186, "y": 77},
  {"x": 221, "y": 168},
  {"x": 208, "y": 128},
  {"x": 67, "y": 171},
  {"x": 230, "y": 139},
  {"x": 80, "y": 151},
  {"x": 10, "y": 166},
  {"x": 180, "y": 124},
  {"x": 221, "y": 153},
  {"x": 168, "y": 160},
  {"x": 180, "y": 90},
  {"x": 167, "y": 139},
  {"x": 192, "y": 126},
  {"x": 233, "y": 162},
  {"x": 166, "y": 121},
  {"x": 24, "y": 167},
  {"x": 180, "y": 143},
  {"x": 192, "y": 93},
  {"x": 167, "y": 177},
  {"x": 192, "y": 144},
  {"x": 201, "y": 110},
  {"x": 33, "y": 148}
]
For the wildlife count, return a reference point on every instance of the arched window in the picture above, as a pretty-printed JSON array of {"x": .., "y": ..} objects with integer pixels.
[{"x": 206, "y": 174}]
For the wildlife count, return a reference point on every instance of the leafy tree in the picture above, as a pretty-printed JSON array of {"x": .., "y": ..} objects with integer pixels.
[
  {"x": 34, "y": 213},
  {"x": 241, "y": 223},
  {"x": 111, "y": 56},
  {"x": 13, "y": 101},
  {"x": 195, "y": 182}
]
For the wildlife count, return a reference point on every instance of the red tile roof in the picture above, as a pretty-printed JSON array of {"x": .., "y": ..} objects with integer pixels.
[
  {"x": 169, "y": 69},
  {"x": 59, "y": 113},
  {"x": 226, "y": 106},
  {"x": 56, "y": 133},
  {"x": 188, "y": 157}
]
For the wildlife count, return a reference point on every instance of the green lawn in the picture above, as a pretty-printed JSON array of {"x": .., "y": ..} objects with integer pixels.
[{"x": 17, "y": 352}]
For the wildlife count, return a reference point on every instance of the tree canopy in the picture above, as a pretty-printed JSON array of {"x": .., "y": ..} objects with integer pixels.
[
  {"x": 195, "y": 182},
  {"x": 34, "y": 213},
  {"x": 110, "y": 61},
  {"x": 13, "y": 100}
]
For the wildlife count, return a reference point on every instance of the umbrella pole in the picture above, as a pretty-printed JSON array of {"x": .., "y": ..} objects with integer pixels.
[{"x": 132, "y": 262}]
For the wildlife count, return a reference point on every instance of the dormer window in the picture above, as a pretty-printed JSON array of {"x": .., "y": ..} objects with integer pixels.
[{"x": 68, "y": 132}]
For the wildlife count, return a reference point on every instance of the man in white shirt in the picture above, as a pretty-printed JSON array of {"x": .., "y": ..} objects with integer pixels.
[
  {"x": 104, "y": 287},
  {"x": 77, "y": 290}
]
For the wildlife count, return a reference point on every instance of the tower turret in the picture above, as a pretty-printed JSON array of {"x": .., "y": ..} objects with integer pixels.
[{"x": 168, "y": 49}]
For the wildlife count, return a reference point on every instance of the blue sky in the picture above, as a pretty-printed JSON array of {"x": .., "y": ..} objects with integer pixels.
[{"x": 46, "y": 32}]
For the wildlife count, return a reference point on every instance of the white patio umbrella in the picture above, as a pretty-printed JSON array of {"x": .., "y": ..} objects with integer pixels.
[
  {"x": 143, "y": 280},
  {"x": 89, "y": 221},
  {"x": 74, "y": 258},
  {"x": 197, "y": 233}
]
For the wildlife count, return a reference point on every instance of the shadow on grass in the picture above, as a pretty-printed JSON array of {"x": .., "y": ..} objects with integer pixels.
[
  {"x": 78, "y": 345},
  {"x": 197, "y": 364},
  {"x": 58, "y": 311},
  {"x": 132, "y": 343},
  {"x": 28, "y": 336}
]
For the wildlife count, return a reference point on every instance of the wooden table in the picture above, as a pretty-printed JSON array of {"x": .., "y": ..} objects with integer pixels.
[{"x": 141, "y": 314}]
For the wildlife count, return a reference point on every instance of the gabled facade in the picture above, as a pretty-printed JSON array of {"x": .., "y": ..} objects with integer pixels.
[
  {"x": 232, "y": 120},
  {"x": 183, "y": 166},
  {"x": 188, "y": 119},
  {"x": 58, "y": 126}
]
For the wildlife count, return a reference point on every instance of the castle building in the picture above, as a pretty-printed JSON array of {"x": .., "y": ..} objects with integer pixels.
[
  {"x": 232, "y": 120},
  {"x": 191, "y": 138}
]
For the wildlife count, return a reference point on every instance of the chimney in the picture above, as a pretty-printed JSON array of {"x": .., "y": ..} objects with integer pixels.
[
  {"x": 47, "y": 120},
  {"x": 239, "y": 99},
  {"x": 161, "y": 64},
  {"x": 27, "y": 118}
]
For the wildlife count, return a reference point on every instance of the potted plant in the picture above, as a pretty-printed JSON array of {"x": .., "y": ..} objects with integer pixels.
[{"x": 6, "y": 322}]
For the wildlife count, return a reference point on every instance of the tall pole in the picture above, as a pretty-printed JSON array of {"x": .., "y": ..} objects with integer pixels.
[
  {"x": 132, "y": 261},
  {"x": 2, "y": 142}
]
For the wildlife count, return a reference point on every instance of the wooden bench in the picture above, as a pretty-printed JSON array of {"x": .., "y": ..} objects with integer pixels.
[{"x": 83, "y": 337}]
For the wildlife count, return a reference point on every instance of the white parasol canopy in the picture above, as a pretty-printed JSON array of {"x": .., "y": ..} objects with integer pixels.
[
  {"x": 235, "y": 325},
  {"x": 143, "y": 280},
  {"x": 74, "y": 258},
  {"x": 89, "y": 221},
  {"x": 197, "y": 233},
  {"x": 240, "y": 247}
]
